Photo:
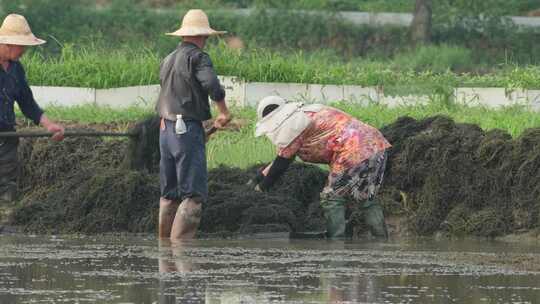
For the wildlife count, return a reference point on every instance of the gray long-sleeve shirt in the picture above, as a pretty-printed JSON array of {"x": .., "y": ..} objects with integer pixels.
[{"x": 187, "y": 80}]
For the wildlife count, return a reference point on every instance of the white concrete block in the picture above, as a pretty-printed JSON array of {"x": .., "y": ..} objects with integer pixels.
[
  {"x": 395, "y": 101},
  {"x": 63, "y": 96},
  {"x": 526, "y": 21},
  {"x": 128, "y": 96},
  {"x": 378, "y": 19},
  {"x": 491, "y": 97},
  {"x": 325, "y": 94},
  {"x": 235, "y": 90},
  {"x": 358, "y": 94},
  {"x": 241, "y": 94},
  {"x": 256, "y": 91},
  {"x": 356, "y": 17},
  {"x": 518, "y": 97},
  {"x": 533, "y": 97}
]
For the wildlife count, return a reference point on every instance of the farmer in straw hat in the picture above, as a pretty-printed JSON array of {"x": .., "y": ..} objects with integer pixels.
[
  {"x": 15, "y": 36},
  {"x": 187, "y": 80},
  {"x": 355, "y": 152}
]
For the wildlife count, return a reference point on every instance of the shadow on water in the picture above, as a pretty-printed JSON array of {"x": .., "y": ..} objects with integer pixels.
[{"x": 141, "y": 269}]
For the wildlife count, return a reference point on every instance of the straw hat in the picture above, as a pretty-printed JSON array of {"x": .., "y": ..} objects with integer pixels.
[
  {"x": 15, "y": 30},
  {"x": 195, "y": 23}
]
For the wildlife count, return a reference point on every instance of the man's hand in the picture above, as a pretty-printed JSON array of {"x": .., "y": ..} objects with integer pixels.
[
  {"x": 222, "y": 120},
  {"x": 254, "y": 182},
  {"x": 224, "y": 117},
  {"x": 56, "y": 129}
]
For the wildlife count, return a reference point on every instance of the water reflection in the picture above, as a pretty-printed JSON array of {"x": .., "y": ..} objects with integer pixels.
[
  {"x": 172, "y": 260},
  {"x": 145, "y": 270},
  {"x": 178, "y": 269}
]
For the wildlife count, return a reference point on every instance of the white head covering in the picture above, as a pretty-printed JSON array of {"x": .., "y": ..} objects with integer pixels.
[{"x": 284, "y": 123}]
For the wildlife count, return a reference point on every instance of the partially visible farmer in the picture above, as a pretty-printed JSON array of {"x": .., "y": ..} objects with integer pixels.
[
  {"x": 15, "y": 36},
  {"x": 187, "y": 80},
  {"x": 355, "y": 152}
]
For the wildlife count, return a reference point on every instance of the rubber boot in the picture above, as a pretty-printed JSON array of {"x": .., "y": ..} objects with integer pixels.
[
  {"x": 334, "y": 213},
  {"x": 374, "y": 218}
]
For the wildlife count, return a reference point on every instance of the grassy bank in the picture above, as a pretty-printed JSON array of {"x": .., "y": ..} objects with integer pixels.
[
  {"x": 412, "y": 72},
  {"x": 240, "y": 149}
]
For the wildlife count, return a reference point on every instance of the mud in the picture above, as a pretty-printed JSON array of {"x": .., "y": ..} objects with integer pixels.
[
  {"x": 87, "y": 185},
  {"x": 442, "y": 178}
]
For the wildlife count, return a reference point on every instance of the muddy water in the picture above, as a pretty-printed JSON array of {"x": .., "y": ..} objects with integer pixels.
[{"x": 138, "y": 269}]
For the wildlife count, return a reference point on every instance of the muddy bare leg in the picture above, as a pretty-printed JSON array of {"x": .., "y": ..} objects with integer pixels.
[
  {"x": 187, "y": 219},
  {"x": 167, "y": 212}
]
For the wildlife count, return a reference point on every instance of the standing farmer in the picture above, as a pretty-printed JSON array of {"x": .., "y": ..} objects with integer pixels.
[
  {"x": 187, "y": 80},
  {"x": 355, "y": 152},
  {"x": 15, "y": 36}
]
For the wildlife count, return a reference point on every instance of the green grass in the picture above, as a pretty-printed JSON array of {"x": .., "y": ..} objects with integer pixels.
[
  {"x": 91, "y": 114},
  {"x": 241, "y": 149},
  {"x": 513, "y": 120},
  {"x": 93, "y": 68},
  {"x": 120, "y": 68}
]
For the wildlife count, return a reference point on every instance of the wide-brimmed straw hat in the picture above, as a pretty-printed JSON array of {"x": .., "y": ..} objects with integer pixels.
[
  {"x": 195, "y": 23},
  {"x": 15, "y": 30}
]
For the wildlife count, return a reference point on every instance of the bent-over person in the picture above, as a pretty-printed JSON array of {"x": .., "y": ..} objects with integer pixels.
[{"x": 355, "y": 152}]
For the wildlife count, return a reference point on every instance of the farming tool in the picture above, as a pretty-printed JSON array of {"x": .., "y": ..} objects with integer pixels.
[{"x": 143, "y": 143}]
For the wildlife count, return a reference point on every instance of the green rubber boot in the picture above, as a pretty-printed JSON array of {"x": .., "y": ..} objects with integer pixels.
[
  {"x": 374, "y": 218},
  {"x": 334, "y": 213}
]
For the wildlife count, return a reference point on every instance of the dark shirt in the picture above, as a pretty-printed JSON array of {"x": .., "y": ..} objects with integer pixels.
[
  {"x": 187, "y": 80},
  {"x": 14, "y": 88}
]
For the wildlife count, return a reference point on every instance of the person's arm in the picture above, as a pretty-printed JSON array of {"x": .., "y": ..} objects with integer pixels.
[
  {"x": 25, "y": 98},
  {"x": 273, "y": 172},
  {"x": 30, "y": 108},
  {"x": 224, "y": 116},
  {"x": 207, "y": 77},
  {"x": 56, "y": 129}
]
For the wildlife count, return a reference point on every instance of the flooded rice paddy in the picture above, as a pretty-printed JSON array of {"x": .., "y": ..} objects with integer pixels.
[{"x": 140, "y": 269}]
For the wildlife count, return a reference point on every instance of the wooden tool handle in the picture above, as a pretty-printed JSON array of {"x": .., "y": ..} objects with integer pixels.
[
  {"x": 66, "y": 134},
  {"x": 210, "y": 131}
]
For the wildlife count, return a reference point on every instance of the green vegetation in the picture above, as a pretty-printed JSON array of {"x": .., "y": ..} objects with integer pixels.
[
  {"x": 82, "y": 24},
  {"x": 345, "y": 5},
  {"x": 513, "y": 120},
  {"x": 85, "y": 67},
  {"x": 437, "y": 59},
  {"x": 239, "y": 148},
  {"x": 408, "y": 73},
  {"x": 509, "y": 7},
  {"x": 91, "y": 114}
]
